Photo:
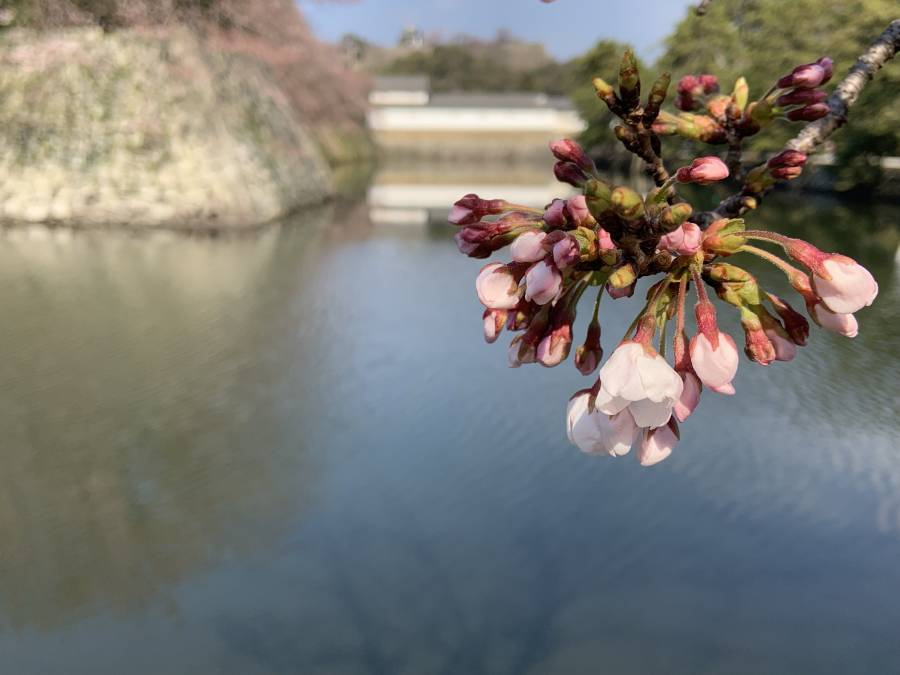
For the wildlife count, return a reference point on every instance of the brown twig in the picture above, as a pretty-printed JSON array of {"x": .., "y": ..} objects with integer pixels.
[
  {"x": 815, "y": 133},
  {"x": 703, "y": 7}
]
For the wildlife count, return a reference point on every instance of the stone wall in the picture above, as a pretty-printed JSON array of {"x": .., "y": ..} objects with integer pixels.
[{"x": 147, "y": 130}]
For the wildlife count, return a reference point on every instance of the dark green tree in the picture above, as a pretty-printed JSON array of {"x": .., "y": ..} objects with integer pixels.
[{"x": 763, "y": 39}]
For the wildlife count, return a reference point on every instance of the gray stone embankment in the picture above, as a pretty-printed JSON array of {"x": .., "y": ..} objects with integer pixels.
[{"x": 138, "y": 130}]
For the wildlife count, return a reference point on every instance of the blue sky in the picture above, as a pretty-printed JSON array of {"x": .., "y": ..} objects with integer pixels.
[{"x": 567, "y": 27}]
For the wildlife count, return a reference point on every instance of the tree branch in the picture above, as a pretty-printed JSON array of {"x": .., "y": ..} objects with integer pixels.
[{"x": 815, "y": 133}]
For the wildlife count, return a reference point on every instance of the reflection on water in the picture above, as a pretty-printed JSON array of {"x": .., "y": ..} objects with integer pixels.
[{"x": 292, "y": 453}]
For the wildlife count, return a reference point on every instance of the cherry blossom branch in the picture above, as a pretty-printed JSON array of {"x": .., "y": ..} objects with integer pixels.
[{"x": 815, "y": 133}]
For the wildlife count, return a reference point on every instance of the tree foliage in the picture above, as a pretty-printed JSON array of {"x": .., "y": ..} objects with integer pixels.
[{"x": 763, "y": 39}]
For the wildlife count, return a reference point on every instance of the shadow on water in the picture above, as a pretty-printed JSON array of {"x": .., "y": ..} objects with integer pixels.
[{"x": 292, "y": 453}]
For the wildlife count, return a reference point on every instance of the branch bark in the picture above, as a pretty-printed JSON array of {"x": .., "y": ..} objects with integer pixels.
[{"x": 815, "y": 133}]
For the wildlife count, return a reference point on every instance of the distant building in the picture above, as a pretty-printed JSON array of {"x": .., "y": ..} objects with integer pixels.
[{"x": 406, "y": 116}]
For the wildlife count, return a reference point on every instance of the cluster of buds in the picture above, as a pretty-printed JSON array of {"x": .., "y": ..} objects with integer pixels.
[
  {"x": 710, "y": 117},
  {"x": 606, "y": 238}
]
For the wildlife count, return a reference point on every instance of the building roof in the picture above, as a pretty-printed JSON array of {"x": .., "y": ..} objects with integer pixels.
[{"x": 500, "y": 100}]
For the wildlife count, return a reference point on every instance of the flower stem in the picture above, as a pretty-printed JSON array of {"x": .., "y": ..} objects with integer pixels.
[{"x": 783, "y": 265}]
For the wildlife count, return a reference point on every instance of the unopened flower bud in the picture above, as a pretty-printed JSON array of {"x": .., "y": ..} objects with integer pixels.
[
  {"x": 624, "y": 292},
  {"x": 787, "y": 172},
  {"x": 623, "y": 277},
  {"x": 629, "y": 79},
  {"x": 543, "y": 282},
  {"x": 567, "y": 150},
  {"x": 528, "y": 246},
  {"x": 683, "y": 240},
  {"x": 676, "y": 214},
  {"x": 657, "y": 444},
  {"x": 843, "y": 284},
  {"x": 801, "y": 97},
  {"x": 709, "y": 83},
  {"x": 604, "y": 241},
  {"x": 703, "y": 170},
  {"x": 741, "y": 94},
  {"x": 724, "y": 237},
  {"x": 566, "y": 252},
  {"x": 690, "y": 396},
  {"x": 807, "y": 76},
  {"x": 554, "y": 347},
  {"x": 472, "y": 208},
  {"x": 498, "y": 287},
  {"x": 589, "y": 355},
  {"x": 828, "y": 66},
  {"x": 795, "y": 324},
  {"x": 555, "y": 214},
  {"x": 809, "y": 113},
  {"x": 657, "y": 97},
  {"x": 842, "y": 324},
  {"x": 570, "y": 174},
  {"x": 579, "y": 213},
  {"x": 627, "y": 203},
  {"x": 494, "y": 321},
  {"x": 759, "y": 347},
  {"x": 787, "y": 158},
  {"x": 605, "y": 93}
]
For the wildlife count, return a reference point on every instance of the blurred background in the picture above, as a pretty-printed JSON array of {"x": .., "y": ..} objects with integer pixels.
[{"x": 250, "y": 424}]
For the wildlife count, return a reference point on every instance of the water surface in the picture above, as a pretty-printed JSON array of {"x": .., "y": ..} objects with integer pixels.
[{"x": 293, "y": 453}]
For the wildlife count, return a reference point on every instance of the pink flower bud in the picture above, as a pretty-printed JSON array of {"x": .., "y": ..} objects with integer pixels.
[
  {"x": 472, "y": 208},
  {"x": 795, "y": 324},
  {"x": 807, "y": 76},
  {"x": 759, "y": 347},
  {"x": 566, "y": 252},
  {"x": 553, "y": 349},
  {"x": 787, "y": 172},
  {"x": 596, "y": 433},
  {"x": 709, "y": 83},
  {"x": 543, "y": 283},
  {"x": 715, "y": 364},
  {"x": 788, "y": 158},
  {"x": 567, "y": 172},
  {"x": 494, "y": 321},
  {"x": 618, "y": 293},
  {"x": 809, "y": 113},
  {"x": 555, "y": 214},
  {"x": 690, "y": 397},
  {"x": 657, "y": 444},
  {"x": 801, "y": 97},
  {"x": 578, "y": 212},
  {"x": 703, "y": 170},
  {"x": 842, "y": 324},
  {"x": 497, "y": 287},
  {"x": 567, "y": 150},
  {"x": 520, "y": 352},
  {"x": 689, "y": 84},
  {"x": 725, "y": 390},
  {"x": 528, "y": 246},
  {"x": 828, "y": 66},
  {"x": 589, "y": 355},
  {"x": 785, "y": 349},
  {"x": 844, "y": 285},
  {"x": 685, "y": 240},
  {"x": 604, "y": 240}
]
